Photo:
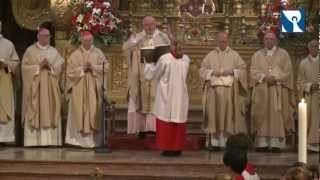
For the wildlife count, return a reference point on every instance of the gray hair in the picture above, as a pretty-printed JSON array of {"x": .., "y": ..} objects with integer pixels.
[{"x": 313, "y": 43}]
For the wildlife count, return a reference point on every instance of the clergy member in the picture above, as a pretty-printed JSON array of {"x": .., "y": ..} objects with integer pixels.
[
  {"x": 171, "y": 101},
  {"x": 271, "y": 81},
  {"x": 9, "y": 62},
  {"x": 41, "y": 69},
  {"x": 84, "y": 92},
  {"x": 225, "y": 91},
  {"x": 308, "y": 86},
  {"x": 140, "y": 90}
]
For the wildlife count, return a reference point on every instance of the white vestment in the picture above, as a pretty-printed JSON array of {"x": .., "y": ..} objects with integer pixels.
[
  {"x": 9, "y": 57},
  {"x": 171, "y": 101}
]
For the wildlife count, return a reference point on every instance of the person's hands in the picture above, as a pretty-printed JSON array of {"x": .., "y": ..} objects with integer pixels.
[
  {"x": 216, "y": 73},
  {"x": 228, "y": 72},
  {"x": 87, "y": 67},
  {"x": 271, "y": 80},
  {"x": 314, "y": 87},
  {"x": 44, "y": 64}
]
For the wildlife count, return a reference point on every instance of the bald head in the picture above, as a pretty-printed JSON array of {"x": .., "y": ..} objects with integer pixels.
[
  {"x": 43, "y": 36},
  {"x": 223, "y": 40},
  {"x": 87, "y": 40},
  {"x": 269, "y": 40},
  {"x": 149, "y": 24}
]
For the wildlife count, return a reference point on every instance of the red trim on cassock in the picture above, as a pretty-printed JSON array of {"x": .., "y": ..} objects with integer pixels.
[
  {"x": 170, "y": 136},
  {"x": 250, "y": 169},
  {"x": 239, "y": 177}
]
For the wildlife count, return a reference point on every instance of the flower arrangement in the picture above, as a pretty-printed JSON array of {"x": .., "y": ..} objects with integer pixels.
[
  {"x": 98, "y": 17},
  {"x": 271, "y": 22}
]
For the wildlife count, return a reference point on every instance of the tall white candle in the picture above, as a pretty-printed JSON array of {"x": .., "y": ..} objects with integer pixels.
[{"x": 302, "y": 149}]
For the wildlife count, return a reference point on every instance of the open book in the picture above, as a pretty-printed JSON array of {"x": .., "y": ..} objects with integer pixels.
[{"x": 152, "y": 54}]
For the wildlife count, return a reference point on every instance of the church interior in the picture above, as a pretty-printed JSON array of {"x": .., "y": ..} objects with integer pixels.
[{"x": 195, "y": 24}]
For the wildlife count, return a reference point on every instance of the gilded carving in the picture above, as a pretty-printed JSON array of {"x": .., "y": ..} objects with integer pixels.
[
  {"x": 60, "y": 14},
  {"x": 30, "y": 13},
  {"x": 197, "y": 32}
]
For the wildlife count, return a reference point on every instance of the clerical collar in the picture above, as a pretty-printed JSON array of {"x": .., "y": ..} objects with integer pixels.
[
  {"x": 226, "y": 50},
  {"x": 85, "y": 50},
  {"x": 156, "y": 31},
  {"x": 175, "y": 55},
  {"x": 42, "y": 47},
  {"x": 314, "y": 59},
  {"x": 270, "y": 52}
]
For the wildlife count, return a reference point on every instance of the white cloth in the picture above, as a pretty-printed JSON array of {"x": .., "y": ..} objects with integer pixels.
[
  {"x": 156, "y": 39},
  {"x": 171, "y": 101},
  {"x": 138, "y": 122},
  {"x": 314, "y": 59},
  {"x": 42, "y": 136},
  {"x": 7, "y": 51},
  {"x": 222, "y": 81},
  {"x": 217, "y": 139},
  {"x": 7, "y": 132},
  {"x": 271, "y": 51},
  {"x": 248, "y": 176},
  {"x": 270, "y": 142},
  {"x": 77, "y": 138}
]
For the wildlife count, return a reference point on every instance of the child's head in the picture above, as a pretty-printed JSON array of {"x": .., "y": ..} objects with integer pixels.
[
  {"x": 235, "y": 160},
  {"x": 238, "y": 141}
]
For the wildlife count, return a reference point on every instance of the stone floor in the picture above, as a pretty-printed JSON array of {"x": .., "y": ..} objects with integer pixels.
[{"x": 60, "y": 163}]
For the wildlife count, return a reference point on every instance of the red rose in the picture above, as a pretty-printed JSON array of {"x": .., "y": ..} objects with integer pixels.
[
  {"x": 95, "y": 28},
  {"x": 273, "y": 29},
  {"x": 98, "y": 4},
  {"x": 74, "y": 20},
  {"x": 86, "y": 18}
]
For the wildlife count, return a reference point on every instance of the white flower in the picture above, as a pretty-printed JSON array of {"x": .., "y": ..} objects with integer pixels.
[
  {"x": 107, "y": 4},
  {"x": 89, "y": 4},
  {"x": 117, "y": 20},
  {"x": 96, "y": 11},
  {"x": 85, "y": 27},
  {"x": 91, "y": 21},
  {"x": 80, "y": 18},
  {"x": 79, "y": 28},
  {"x": 112, "y": 25}
]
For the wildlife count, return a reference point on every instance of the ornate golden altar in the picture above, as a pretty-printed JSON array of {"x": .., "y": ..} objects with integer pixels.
[{"x": 194, "y": 22}]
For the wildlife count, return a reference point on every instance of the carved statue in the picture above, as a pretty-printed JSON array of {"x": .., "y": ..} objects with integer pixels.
[
  {"x": 198, "y": 7},
  {"x": 193, "y": 7}
]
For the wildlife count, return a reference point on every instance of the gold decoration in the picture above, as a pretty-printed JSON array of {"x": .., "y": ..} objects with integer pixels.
[
  {"x": 60, "y": 14},
  {"x": 30, "y": 13},
  {"x": 196, "y": 33}
]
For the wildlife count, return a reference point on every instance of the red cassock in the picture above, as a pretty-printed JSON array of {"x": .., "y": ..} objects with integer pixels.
[{"x": 170, "y": 136}]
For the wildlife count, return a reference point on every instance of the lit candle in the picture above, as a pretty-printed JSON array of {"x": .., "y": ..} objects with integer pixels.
[{"x": 302, "y": 149}]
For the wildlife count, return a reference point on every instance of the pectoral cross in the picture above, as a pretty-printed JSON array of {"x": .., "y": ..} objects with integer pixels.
[{"x": 270, "y": 69}]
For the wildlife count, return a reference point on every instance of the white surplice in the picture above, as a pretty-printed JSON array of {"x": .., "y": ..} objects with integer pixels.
[{"x": 171, "y": 101}]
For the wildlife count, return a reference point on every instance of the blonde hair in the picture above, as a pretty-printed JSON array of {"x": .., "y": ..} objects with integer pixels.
[{"x": 298, "y": 173}]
